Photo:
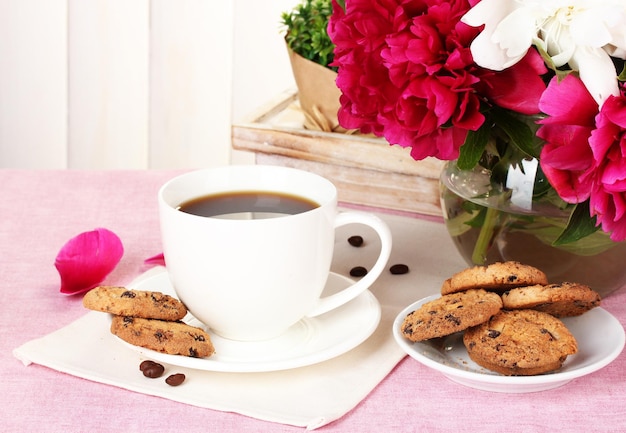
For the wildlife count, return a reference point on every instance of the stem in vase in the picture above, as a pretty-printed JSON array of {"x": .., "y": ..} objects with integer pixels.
[{"x": 485, "y": 237}]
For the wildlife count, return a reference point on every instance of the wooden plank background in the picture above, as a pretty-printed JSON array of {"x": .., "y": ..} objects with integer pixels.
[
  {"x": 89, "y": 84},
  {"x": 366, "y": 170}
]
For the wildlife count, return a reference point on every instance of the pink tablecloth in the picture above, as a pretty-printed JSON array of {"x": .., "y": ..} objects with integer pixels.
[{"x": 40, "y": 210}]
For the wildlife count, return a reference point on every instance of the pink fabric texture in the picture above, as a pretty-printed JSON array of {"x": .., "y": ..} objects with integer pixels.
[{"x": 41, "y": 210}]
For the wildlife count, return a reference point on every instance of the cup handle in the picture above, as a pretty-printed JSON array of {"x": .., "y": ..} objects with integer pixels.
[{"x": 382, "y": 229}]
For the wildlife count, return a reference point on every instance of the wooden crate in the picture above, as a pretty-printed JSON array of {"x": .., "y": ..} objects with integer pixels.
[{"x": 366, "y": 170}]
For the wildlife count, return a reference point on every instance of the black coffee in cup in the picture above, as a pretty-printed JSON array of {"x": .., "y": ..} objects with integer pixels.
[{"x": 248, "y": 205}]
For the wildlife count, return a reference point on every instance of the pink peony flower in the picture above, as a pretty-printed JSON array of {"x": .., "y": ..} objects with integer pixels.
[
  {"x": 85, "y": 260},
  {"x": 359, "y": 36},
  {"x": 608, "y": 170},
  {"x": 584, "y": 156},
  {"x": 566, "y": 155},
  {"x": 496, "y": 86},
  {"x": 406, "y": 73}
]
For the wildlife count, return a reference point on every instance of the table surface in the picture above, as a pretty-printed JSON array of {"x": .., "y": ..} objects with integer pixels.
[{"x": 41, "y": 210}]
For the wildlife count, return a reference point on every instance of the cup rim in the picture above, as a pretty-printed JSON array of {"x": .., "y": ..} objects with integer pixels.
[{"x": 325, "y": 188}]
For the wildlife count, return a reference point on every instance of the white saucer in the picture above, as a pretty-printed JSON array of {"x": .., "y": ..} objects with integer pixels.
[
  {"x": 600, "y": 338},
  {"x": 310, "y": 341}
]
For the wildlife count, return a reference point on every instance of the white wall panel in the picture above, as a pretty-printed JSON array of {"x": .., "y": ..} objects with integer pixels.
[
  {"x": 116, "y": 84},
  {"x": 33, "y": 83},
  {"x": 108, "y": 83},
  {"x": 261, "y": 66},
  {"x": 191, "y": 83}
]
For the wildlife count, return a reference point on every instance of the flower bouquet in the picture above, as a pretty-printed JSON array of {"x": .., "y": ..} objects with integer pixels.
[{"x": 498, "y": 86}]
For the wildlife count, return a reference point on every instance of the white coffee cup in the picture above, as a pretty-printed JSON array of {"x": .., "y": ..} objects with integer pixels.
[{"x": 253, "y": 279}]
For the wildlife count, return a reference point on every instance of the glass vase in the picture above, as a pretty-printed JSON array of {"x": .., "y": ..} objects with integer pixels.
[{"x": 490, "y": 222}]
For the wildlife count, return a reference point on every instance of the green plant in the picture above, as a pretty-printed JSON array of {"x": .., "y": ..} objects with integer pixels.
[{"x": 306, "y": 32}]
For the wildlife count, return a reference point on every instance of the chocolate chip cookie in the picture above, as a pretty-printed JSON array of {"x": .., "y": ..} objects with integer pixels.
[
  {"x": 136, "y": 303},
  {"x": 497, "y": 277},
  {"x": 174, "y": 338},
  {"x": 520, "y": 343},
  {"x": 560, "y": 300},
  {"x": 450, "y": 313}
]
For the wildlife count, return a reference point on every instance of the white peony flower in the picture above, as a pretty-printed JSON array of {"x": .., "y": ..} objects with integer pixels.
[{"x": 580, "y": 33}]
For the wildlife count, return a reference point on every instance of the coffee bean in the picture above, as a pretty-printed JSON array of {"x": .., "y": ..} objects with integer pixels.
[
  {"x": 145, "y": 364},
  {"x": 175, "y": 379},
  {"x": 153, "y": 370},
  {"x": 358, "y": 271},
  {"x": 355, "y": 241},
  {"x": 399, "y": 269}
]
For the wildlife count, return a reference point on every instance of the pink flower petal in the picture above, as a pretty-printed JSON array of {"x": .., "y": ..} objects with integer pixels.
[
  {"x": 158, "y": 260},
  {"x": 85, "y": 260},
  {"x": 568, "y": 101},
  {"x": 523, "y": 99}
]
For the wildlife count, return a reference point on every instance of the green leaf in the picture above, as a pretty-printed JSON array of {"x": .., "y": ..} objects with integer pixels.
[
  {"x": 580, "y": 224},
  {"x": 306, "y": 31},
  {"x": 519, "y": 132},
  {"x": 474, "y": 146},
  {"x": 458, "y": 225},
  {"x": 477, "y": 214},
  {"x": 622, "y": 75}
]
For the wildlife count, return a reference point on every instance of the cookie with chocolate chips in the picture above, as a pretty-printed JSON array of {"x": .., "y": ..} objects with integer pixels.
[
  {"x": 497, "y": 277},
  {"x": 174, "y": 338},
  {"x": 520, "y": 343},
  {"x": 560, "y": 300},
  {"x": 450, "y": 313},
  {"x": 136, "y": 303}
]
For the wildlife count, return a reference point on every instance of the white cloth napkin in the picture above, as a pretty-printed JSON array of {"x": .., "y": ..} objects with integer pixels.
[{"x": 310, "y": 396}]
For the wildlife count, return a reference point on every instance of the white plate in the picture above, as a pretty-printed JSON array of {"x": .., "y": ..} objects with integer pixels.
[
  {"x": 600, "y": 339},
  {"x": 311, "y": 340}
]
